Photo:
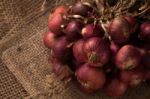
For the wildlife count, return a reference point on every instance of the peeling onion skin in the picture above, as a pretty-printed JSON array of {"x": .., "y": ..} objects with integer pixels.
[
  {"x": 115, "y": 88},
  {"x": 91, "y": 30},
  {"x": 97, "y": 51},
  {"x": 78, "y": 52},
  {"x": 128, "y": 57},
  {"x": 90, "y": 78},
  {"x": 119, "y": 30}
]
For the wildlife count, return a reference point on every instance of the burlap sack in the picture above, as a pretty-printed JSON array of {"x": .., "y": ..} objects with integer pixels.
[{"x": 24, "y": 69}]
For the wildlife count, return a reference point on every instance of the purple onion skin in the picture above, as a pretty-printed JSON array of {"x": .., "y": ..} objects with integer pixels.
[
  {"x": 128, "y": 57},
  {"x": 132, "y": 78},
  {"x": 90, "y": 78},
  {"x": 91, "y": 30},
  {"x": 115, "y": 88},
  {"x": 97, "y": 51},
  {"x": 61, "y": 50},
  {"x": 78, "y": 52},
  {"x": 54, "y": 23},
  {"x": 49, "y": 39},
  {"x": 73, "y": 30},
  {"x": 119, "y": 30},
  {"x": 145, "y": 31},
  {"x": 80, "y": 9}
]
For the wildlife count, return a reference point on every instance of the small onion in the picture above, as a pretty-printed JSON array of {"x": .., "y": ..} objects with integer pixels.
[
  {"x": 90, "y": 78},
  {"x": 119, "y": 30},
  {"x": 128, "y": 57},
  {"x": 73, "y": 30},
  {"x": 61, "y": 50},
  {"x": 97, "y": 51},
  {"x": 81, "y": 9},
  {"x": 91, "y": 30},
  {"x": 55, "y": 22},
  {"x": 49, "y": 39}
]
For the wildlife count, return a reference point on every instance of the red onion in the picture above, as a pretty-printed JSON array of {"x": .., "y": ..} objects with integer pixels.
[
  {"x": 90, "y": 78},
  {"x": 55, "y": 22},
  {"x": 97, "y": 51},
  {"x": 115, "y": 88},
  {"x": 49, "y": 39},
  {"x": 81, "y": 9},
  {"x": 61, "y": 50},
  {"x": 145, "y": 31},
  {"x": 73, "y": 30},
  {"x": 132, "y": 78},
  {"x": 119, "y": 30},
  {"x": 78, "y": 52},
  {"x": 91, "y": 30},
  {"x": 128, "y": 57}
]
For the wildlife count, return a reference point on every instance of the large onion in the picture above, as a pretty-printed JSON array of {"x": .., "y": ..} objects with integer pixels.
[
  {"x": 90, "y": 78},
  {"x": 97, "y": 51}
]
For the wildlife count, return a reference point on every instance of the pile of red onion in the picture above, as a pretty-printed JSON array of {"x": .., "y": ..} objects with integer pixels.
[{"x": 110, "y": 56}]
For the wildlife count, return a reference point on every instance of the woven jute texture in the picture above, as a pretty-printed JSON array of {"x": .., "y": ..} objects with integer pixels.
[{"x": 24, "y": 68}]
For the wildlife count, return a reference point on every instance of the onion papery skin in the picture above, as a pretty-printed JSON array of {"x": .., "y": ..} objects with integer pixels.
[
  {"x": 78, "y": 52},
  {"x": 119, "y": 30},
  {"x": 90, "y": 78},
  {"x": 128, "y": 57},
  {"x": 97, "y": 51},
  {"x": 61, "y": 50}
]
